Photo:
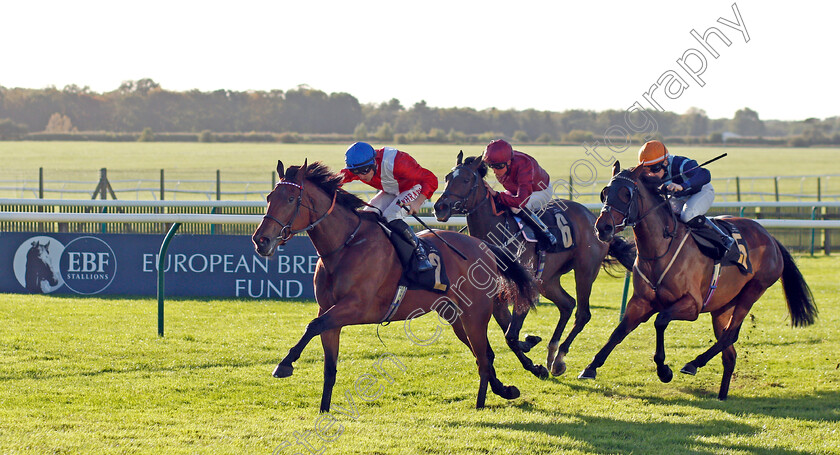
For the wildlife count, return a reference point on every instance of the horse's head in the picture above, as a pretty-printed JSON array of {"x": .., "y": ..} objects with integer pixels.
[
  {"x": 464, "y": 189},
  {"x": 283, "y": 212},
  {"x": 39, "y": 267},
  {"x": 621, "y": 202}
]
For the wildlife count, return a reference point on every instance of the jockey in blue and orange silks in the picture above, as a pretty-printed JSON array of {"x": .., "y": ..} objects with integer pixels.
[
  {"x": 401, "y": 183},
  {"x": 689, "y": 184}
]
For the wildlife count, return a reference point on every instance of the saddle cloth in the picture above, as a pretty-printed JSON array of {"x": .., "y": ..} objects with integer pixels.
[
  {"x": 431, "y": 280},
  {"x": 709, "y": 244},
  {"x": 558, "y": 225}
]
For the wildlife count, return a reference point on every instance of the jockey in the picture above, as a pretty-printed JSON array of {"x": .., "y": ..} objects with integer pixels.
[
  {"x": 401, "y": 183},
  {"x": 527, "y": 185},
  {"x": 689, "y": 185}
]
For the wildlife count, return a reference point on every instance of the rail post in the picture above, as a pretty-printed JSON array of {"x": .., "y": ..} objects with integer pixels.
[{"x": 161, "y": 264}]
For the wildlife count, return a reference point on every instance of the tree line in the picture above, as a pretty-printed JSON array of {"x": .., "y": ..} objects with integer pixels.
[{"x": 304, "y": 112}]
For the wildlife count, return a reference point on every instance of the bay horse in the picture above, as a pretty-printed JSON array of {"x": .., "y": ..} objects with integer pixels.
[
  {"x": 465, "y": 193},
  {"x": 669, "y": 257},
  {"x": 358, "y": 272}
]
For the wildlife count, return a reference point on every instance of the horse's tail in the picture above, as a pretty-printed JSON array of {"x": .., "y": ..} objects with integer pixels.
[
  {"x": 514, "y": 273},
  {"x": 623, "y": 251},
  {"x": 800, "y": 301}
]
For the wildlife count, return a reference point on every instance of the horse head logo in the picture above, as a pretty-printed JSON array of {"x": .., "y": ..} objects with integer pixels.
[{"x": 39, "y": 268}]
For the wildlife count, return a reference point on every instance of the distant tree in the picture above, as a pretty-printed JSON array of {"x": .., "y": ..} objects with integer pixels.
[
  {"x": 747, "y": 123},
  {"x": 360, "y": 133},
  {"x": 206, "y": 136},
  {"x": 146, "y": 136},
  {"x": 59, "y": 123},
  {"x": 695, "y": 122},
  {"x": 544, "y": 138},
  {"x": 521, "y": 136},
  {"x": 579, "y": 136},
  {"x": 10, "y": 130},
  {"x": 385, "y": 133},
  {"x": 456, "y": 137}
]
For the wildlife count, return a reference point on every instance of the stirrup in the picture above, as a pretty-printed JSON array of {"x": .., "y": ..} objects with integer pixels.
[{"x": 423, "y": 263}]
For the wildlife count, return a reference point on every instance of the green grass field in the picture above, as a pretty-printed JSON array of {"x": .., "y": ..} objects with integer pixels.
[
  {"x": 91, "y": 376},
  {"x": 182, "y": 162}
]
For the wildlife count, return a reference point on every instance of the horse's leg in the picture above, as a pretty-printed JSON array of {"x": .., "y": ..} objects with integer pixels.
[
  {"x": 638, "y": 311},
  {"x": 661, "y": 323},
  {"x": 584, "y": 277},
  {"x": 730, "y": 328},
  {"x": 506, "y": 392},
  {"x": 506, "y": 321},
  {"x": 336, "y": 316},
  {"x": 565, "y": 304},
  {"x": 329, "y": 340}
]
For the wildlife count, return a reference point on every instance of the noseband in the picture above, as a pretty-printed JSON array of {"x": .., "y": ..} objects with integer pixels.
[{"x": 286, "y": 231}]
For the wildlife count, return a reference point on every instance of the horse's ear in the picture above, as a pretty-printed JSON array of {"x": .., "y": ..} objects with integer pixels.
[
  {"x": 460, "y": 157},
  {"x": 301, "y": 174},
  {"x": 616, "y": 168},
  {"x": 46, "y": 247},
  {"x": 281, "y": 171}
]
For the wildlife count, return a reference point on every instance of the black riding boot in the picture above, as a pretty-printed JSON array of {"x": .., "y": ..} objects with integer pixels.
[
  {"x": 405, "y": 230},
  {"x": 537, "y": 222},
  {"x": 702, "y": 221}
]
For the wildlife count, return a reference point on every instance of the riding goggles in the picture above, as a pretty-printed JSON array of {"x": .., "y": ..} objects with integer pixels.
[
  {"x": 362, "y": 169},
  {"x": 498, "y": 165},
  {"x": 656, "y": 167}
]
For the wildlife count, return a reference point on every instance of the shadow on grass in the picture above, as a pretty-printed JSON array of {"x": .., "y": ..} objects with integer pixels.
[
  {"x": 819, "y": 406},
  {"x": 606, "y": 435}
]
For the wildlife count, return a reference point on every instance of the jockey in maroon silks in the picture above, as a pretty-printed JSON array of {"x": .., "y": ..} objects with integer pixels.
[
  {"x": 527, "y": 185},
  {"x": 401, "y": 183}
]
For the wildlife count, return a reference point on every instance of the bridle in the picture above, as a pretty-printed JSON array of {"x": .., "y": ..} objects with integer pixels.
[
  {"x": 459, "y": 206},
  {"x": 630, "y": 210},
  {"x": 286, "y": 231}
]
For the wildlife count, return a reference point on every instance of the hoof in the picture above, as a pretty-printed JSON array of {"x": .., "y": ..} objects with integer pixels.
[
  {"x": 532, "y": 340},
  {"x": 282, "y": 371},
  {"x": 540, "y": 371},
  {"x": 558, "y": 368},
  {"x": 689, "y": 369},
  {"x": 588, "y": 373},
  {"x": 511, "y": 392},
  {"x": 664, "y": 372}
]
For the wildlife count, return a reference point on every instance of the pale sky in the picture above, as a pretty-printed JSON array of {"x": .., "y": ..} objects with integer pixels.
[{"x": 547, "y": 55}]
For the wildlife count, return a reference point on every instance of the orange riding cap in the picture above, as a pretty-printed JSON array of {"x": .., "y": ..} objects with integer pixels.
[{"x": 652, "y": 152}]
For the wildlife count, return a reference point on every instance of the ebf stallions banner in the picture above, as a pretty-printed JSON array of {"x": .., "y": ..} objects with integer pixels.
[{"x": 126, "y": 264}]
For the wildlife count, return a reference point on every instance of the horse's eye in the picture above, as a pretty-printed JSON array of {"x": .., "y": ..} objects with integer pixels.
[
  {"x": 604, "y": 195},
  {"x": 625, "y": 195},
  {"x": 291, "y": 199}
]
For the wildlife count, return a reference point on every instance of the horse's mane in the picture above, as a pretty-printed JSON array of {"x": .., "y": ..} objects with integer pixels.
[
  {"x": 651, "y": 184},
  {"x": 319, "y": 174},
  {"x": 482, "y": 168}
]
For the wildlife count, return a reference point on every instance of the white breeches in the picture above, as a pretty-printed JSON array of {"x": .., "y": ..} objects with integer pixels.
[{"x": 694, "y": 205}]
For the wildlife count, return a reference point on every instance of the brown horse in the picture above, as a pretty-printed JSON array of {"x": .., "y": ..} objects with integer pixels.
[
  {"x": 465, "y": 193},
  {"x": 683, "y": 276},
  {"x": 358, "y": 272}
]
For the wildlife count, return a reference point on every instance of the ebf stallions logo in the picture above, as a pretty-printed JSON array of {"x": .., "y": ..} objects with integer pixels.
[{"x": 86, "y": 265}]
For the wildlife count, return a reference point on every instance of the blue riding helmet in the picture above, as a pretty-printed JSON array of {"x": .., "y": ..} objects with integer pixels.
[{"x": 358, "y": 155}]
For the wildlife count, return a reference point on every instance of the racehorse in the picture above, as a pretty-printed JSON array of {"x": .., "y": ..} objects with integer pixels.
[
  {"x": 684, "y": 283},
  {"x": 39, "y": 270},
  {"x": 465, "y": 193},
  {"x": 358, "y": 272}
]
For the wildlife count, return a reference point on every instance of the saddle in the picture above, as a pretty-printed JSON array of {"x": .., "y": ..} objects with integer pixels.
[
  {"x": 431, "y": 280},
  {"x": 708, "y": 242},
  {"x": 557, "y": 223}
]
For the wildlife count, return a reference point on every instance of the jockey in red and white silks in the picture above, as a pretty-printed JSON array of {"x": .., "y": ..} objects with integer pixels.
[{"x": 400, "y": 181}]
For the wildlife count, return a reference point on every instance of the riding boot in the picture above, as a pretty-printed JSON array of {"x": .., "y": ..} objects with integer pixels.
[
  {"x": 701, "y": 221},
  {"x": 536, "y": 221},
  {"x": 405, "y": 230}
]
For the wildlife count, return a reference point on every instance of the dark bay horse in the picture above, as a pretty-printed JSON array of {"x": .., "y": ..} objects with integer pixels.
[
  {"x": 466, "y": 194},
  {"x": 358, "y": 272},
  {"x": 669, "y": 257}
]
